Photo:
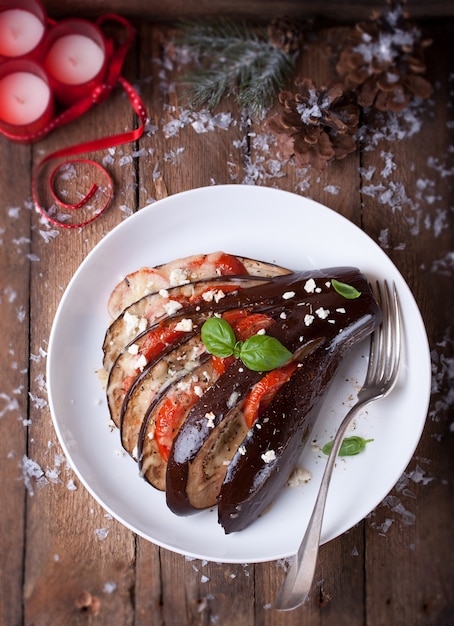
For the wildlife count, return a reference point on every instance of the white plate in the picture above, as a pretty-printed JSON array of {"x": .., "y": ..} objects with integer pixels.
[{"x": 266, "y": 224}]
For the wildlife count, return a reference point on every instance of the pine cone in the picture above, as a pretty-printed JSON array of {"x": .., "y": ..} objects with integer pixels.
[
  {"x": 384, "y": 62},
  {"x": 317, "y": 125},
  {"x": 285, "y": 34}
]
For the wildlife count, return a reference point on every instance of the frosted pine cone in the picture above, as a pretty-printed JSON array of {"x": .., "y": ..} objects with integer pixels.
[
  {"x": 384, "y": 62},
  {"x": 317, "y": 125},
  {"x": 285, "y": 34}
]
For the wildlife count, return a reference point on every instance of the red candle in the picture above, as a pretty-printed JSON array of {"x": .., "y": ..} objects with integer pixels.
[
  {"x": 26, "y": 104},
  {"x": 22, "y": 28},
  {"x": 75, "y": 59}
]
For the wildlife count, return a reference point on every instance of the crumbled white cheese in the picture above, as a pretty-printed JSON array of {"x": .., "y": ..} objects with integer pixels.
[
  {"x": 172, "y": 306},
  {"x": 164, "y": 293},
  {"x": 232, "y": 399},
  {"x": 133, "y": 349},
  {"x": 308, "y": 319},
  {"x": 133, "y": 323},
  {"x": 288, "y": 294},
  {"x": 178, "y": 276},
  {"x": 340, "y": 310},
  {"x": 268, "y": 456},
  {"x": 262, "y": 331},
  {"x": 198, "y": 391},
  {"x": 210, "y": 419},
  {"x": 185, "y": 325},
  {"x": 299, "y": 476},
  {"x": 242, "y": 450},
  {"x": 310, "y": 285},
  {"x": 213, "y": 294},
  {"x": 141, "y": 362},
  {"x": 322, "y": 313}
]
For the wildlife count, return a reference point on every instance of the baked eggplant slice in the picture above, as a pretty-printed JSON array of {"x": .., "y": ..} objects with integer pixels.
[
  {"x": 177, "y": 360},
  {"x": 164, "y": 416}
]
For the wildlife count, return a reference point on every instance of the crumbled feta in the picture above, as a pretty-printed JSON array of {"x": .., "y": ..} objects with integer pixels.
[
  {"x": 288, "y": 294},
  {"x": 213, "y": 294},
  {"x": 340, "y": 310},
  {"x": 308, "y": 319},
  {"x": 178, "y": 276},
  {"x": 309, "y": 287},
  {"x": 210, "y": 419},
  {"x": 164, "y": 293},
  {"x": 208, "y": 296},
  {"x": 283, "y": 315},
  {"x": 232, "y": 399},
  {"x": 133, "y": 349},
  {"x": 299, "y": 476},
  {"x": 268, "y": 456},
  {"x": 185, "y": 325},
  {"x": 172, "y": 306},
  {"x": 133, "y": 323},
  {"x": 198, "y": 391},
  {"x": 141, "y": 362},
  {"x": 322, "y": 313},
  {"x": 242, "y": 450}
]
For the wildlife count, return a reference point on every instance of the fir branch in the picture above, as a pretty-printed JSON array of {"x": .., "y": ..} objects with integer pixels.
[{"x": 235, "y": 60}]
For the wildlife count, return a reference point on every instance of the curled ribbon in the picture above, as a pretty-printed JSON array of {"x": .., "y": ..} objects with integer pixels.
[{"x": 98, "y": 95}]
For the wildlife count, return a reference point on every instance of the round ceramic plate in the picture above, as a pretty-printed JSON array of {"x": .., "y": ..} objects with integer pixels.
[{"x": 261, "y": 223}]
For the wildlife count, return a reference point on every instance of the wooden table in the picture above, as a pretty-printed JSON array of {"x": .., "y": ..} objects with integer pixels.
[{"x": 395, "y": 567}]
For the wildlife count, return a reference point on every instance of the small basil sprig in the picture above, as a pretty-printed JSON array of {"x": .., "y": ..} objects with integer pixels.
[
  {"x": 260, "y": 353},
  {"x": 343, "y": 289},
  {"x": 350, "y": 446}
]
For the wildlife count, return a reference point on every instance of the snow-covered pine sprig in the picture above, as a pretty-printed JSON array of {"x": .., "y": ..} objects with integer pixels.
[{"x": 235, "y": 60}]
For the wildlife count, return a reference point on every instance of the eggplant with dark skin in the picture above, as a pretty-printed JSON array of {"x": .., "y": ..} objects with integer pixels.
[
  {"x": 241, "y": 468},
  {"x": 214, "y": 453}
]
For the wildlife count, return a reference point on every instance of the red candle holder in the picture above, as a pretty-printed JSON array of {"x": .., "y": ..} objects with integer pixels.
[
  {"x": 23, "y": 26},
  {"x": 26, "y": 102},
  {"x": 75, "y": 58}
]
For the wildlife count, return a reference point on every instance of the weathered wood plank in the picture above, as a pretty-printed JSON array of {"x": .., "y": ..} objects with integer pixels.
[
  {"x": 14, "y": 346},
  {"x": 79, "y": 561},
  {"x": 341, "y": 10},
  {"x": 415, "y": 225}
]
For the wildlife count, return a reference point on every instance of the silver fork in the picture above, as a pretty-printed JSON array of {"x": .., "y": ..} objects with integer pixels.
[{"x": 381, "y": 376}]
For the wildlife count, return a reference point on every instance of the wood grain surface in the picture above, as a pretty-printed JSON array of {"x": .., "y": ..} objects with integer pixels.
[{"x": 64, "y": 560}]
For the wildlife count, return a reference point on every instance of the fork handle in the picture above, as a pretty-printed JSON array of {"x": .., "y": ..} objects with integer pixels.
[{"x": 298, "y": 583}]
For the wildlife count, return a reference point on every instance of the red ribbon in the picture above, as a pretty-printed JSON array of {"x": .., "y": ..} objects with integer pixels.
[{"x": 98, "y": 95}]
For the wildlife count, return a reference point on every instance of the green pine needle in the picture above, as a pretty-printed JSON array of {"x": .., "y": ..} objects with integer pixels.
[{"x": 237, "y": 61}]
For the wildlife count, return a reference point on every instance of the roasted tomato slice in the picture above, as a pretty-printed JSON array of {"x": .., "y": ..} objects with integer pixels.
[
  {"x": 158, "y": 339},
  {"x": 228, "y": 264},
  {"x": 169, "y": 419},
  {"x": 264, "y": 391}
]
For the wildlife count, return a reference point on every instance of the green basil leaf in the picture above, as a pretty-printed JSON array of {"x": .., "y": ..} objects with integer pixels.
[
  {"x": 350, "y": 446},
  {"x": 347, "y": 291},
  {"x": 262, "y": 353},
  {"x": 218, "y": 337}
]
